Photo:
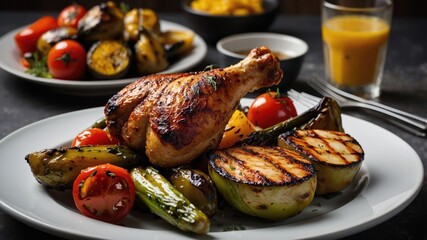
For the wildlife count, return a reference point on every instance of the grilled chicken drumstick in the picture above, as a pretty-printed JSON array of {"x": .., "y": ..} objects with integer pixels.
[{"x": 174, "y": 118}]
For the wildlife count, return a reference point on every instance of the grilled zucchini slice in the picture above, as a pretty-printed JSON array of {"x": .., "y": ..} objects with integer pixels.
[
  {"x": 52, "y": 37},
  {"x": 109, "y": 59},
  {"x": 336, "y": 156},
  {"x": 101, "y": 22},
  {"x": 267, "y": 182},
  {"x": 177, "y": 42}
]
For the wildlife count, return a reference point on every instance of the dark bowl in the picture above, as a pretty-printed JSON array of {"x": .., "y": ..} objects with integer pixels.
[
  {"x": 232, "y": 49},
  {"x": 214, "y": 27}
]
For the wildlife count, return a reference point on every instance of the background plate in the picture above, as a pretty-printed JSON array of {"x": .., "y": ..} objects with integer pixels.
[{"x": 10, "y": 57}]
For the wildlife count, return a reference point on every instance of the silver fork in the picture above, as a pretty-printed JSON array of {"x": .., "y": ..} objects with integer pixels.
[
  {"x": 325, "y": 85},
  {"x": 414, "y": 126}
]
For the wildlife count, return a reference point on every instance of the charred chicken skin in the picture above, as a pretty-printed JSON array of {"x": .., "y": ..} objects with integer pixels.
[{"x": 174, "y": 118}]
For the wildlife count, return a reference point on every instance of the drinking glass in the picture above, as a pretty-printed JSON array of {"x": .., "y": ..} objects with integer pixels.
[{"x": 355, "y": 35}]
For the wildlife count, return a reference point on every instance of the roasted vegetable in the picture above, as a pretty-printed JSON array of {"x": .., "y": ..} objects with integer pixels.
[
  {"x": 267, "y": 182},
  {"x": 26, "y": 39},
  {"x": 101, "y": 22},
  {"x": 59, "y": 167},
  {"x": 51, "y": 37},
  {"x": 150, "y": 54},
  {"x": 164, "y": 200},
  {"x": 326, "y": 115},
  {"x": 238, "y": 127},
  {"x": 336, "y": 156},
  {"x": 109, "y": 59},
  {"x": 177, "y": 42},
  {"x": 139, "y": 18},
  {"x": 197, "y": 187}
]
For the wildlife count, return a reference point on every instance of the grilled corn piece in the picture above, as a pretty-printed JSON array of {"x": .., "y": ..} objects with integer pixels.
[
  {"x": 59, "y": 167},
  {"x": 336, "y": 156},
  {"x": 267, "y": 182}
]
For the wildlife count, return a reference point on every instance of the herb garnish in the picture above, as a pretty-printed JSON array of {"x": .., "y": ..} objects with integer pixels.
[
  {"x": 210, "y": 67},
  {"x": 39, "y": 67},
  {"x": 211, "y": 81}
]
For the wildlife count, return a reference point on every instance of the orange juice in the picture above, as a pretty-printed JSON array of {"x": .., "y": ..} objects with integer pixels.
[{"x": 355, "y": 49}]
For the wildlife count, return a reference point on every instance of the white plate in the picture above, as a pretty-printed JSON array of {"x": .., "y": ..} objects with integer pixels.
[
  {"x": 10, "y": 57},
  {"x": 376, "y": 194}
]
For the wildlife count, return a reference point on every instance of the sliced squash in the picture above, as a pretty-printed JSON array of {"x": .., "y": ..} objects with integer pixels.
[
  {"x": 109, "y": 59},
  {"x": 267, "y": 182},
  {"x": 177, "y": 42},
  {"x": 150, "y": 54},
  {"x": 51, "y": 37},
  {"x": 101, "y": 22},
  {"x": 139, "y": 18},
  {"x": 336, "y": 156}
]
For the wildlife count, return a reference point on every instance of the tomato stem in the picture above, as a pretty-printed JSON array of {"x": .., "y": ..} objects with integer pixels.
[{"x": 66, "y": 58}]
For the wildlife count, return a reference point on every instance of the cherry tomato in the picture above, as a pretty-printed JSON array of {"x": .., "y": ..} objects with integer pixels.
[
  {"x": 71, "y": 15},
  {"x": 94, "y": 136},
  {"x": 67, "y": 60},
  {"x": 26, "y": 39},
  {"x": 271, "y": 108},
  {"x": 105, "y": 192}
]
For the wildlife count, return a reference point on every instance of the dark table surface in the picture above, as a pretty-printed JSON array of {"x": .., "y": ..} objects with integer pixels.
[{"x": 404, "y": 87}]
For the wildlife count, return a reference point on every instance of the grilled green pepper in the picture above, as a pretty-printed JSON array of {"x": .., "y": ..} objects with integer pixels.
[
  {"x": 197, "y": 187},
  {"x": 164, "y": 200},
  {"x": 58, "y": 168},
  {"x": 326, "y": 115}
]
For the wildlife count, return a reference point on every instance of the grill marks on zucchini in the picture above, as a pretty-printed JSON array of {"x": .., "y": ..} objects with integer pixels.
[
  {"x": 109, "y": 59},
  {"x": 329, "y": 147},
  {"x": 336, "y": 156},
  {"x": 262, "y": 165},
  {"x": 267, "y": 182}
]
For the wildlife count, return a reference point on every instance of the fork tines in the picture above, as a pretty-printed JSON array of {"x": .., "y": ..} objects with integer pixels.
[{"x": 344, "y": 98}]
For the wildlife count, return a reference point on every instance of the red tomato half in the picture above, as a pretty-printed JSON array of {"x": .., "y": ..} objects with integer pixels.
[
  {"x": 94, "y": 136},
  {"x": 67, "y": 60},
  {"x": 71, "y": 15},
  {"x": 270, "y": 108},
  {"x": 26, "y": 39},
  {"x": 104, "y": 192}
]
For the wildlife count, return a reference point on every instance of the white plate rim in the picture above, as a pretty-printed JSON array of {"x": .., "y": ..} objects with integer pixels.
[
  {"x": 9, "y": 61},
  {"x": 333, "y": 224}
]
